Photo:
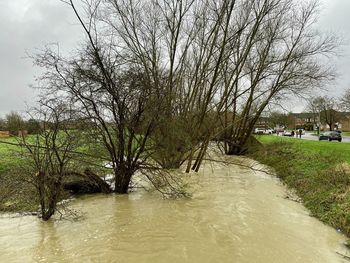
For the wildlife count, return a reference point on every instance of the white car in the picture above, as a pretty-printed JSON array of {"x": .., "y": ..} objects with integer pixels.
[
  {"x": 268, "y": 131},
  {"x": 259, "y": 131},
  {"x": 263, "y": 131},
  {"x": 287, "y": 133}
]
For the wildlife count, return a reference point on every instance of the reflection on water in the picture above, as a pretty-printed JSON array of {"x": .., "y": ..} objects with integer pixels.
[{"x": 234, "y": 216}]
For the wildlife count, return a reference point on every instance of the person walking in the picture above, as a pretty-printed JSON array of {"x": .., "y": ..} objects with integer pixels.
[{"x": 300, "y": 132}]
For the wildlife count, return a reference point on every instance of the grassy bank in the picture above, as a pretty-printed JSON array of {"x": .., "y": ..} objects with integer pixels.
[
  {"x": 318, "y": 171},
  {"x": 17, "y": 191},
  {"x": 9, "y": 155}
]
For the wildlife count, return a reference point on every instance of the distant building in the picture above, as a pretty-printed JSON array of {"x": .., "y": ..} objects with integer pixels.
[
  {"x": 263, "y": 122},
  {"x": 310, "y": 121},
  {"x": 303, "y": 120}
]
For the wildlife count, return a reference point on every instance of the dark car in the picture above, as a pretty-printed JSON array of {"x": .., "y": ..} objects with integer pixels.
[{"x": 330, "y": 136}]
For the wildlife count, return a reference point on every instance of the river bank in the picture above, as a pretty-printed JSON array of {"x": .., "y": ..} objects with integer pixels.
[
  {"x": 234, "y": 215},
  {"x": 319, "y": 172}
]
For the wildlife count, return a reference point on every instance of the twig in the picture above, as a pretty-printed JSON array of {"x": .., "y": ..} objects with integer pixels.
[
  {"x": 239, "y": 164},
  {"x": 344, "y": 256}
]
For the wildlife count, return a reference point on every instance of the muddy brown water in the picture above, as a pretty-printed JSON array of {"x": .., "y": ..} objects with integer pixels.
[{"x": 234, "y": 215}]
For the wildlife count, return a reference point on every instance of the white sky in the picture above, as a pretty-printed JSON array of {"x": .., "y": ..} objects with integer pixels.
[{"x": 29, "y": 24}]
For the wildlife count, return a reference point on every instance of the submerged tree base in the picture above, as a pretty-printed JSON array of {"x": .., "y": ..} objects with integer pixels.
[{"x": 251, "y": 145}]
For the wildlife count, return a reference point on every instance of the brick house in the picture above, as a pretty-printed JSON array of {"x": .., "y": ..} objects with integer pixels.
[
  {"x": 310, "y": 121},
  {"x": 304, "y": 120}
]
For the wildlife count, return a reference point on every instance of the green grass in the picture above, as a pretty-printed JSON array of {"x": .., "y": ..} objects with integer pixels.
[
  {"x": 9, "y": 155},
  {"x": 311, "y": 147},
  {"x": 15, "y": 193},
  {"x": 318, "y": 171}
]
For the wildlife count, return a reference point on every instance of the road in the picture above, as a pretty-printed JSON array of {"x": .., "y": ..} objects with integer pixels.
[{"x": 309, "y": 136}]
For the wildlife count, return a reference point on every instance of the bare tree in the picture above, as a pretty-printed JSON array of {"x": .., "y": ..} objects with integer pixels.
[
  {"x": 180, "y": 45},
  {"x": 326, "y": 110},
  {"x": 116, "y": 102},
  {"x": 2, "y": 124},
  {"x": 281, "y": 51},
  {"x": 14, "y": 123},
  {"x": 168, "y": 76},
  {"x": 313, "y": 107},
  {"x": 50, "y": 153},
  {"x": 277, "y": 118},
  {"x": 345, "y": 100}
]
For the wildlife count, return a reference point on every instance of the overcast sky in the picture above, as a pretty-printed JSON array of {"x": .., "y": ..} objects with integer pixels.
[
  {"x": 26, "y": 25},
  {"x": 29, "y": 24}
]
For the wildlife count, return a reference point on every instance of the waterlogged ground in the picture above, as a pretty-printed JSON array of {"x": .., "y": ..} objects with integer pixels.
[{"x": 235, "y": 215}]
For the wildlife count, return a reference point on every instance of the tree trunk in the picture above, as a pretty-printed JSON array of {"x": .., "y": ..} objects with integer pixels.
[
  {"x": 189, "y": 163},
  {"x": 50, "y": 211},
  {"x": 122, "y": 180},
  {"x": 236, "y": 149},
  {"x": 201, "y": 156},
  {"x": 49, "y": 192},
  {"x": 41, "y": 190},
  {"x": 243, "y": 146}
]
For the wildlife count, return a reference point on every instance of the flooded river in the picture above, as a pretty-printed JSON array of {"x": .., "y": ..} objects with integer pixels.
[{"x": 235, "y": 215}]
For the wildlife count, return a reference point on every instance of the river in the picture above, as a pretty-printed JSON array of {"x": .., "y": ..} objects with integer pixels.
[{"x": 234, "y": 215}]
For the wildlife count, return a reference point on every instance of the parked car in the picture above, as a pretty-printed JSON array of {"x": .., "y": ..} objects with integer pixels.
[
  {"x": 263, "y": 131},
  {"x": 259, "y": 131},
  {"x": 269, "y": 131},
  {"x": 330, "y": 136},
  {"x": 279, "y": 131},
  {"x": 288, "y": 133}
]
